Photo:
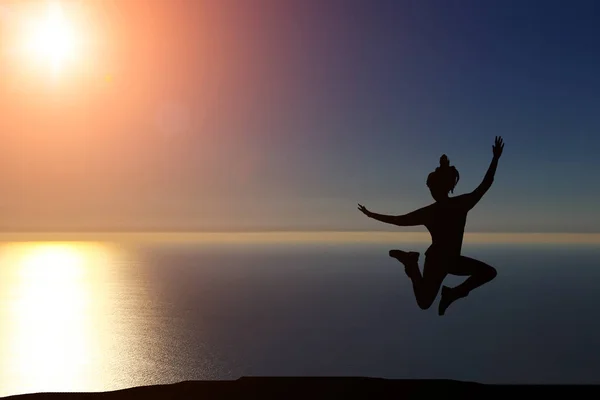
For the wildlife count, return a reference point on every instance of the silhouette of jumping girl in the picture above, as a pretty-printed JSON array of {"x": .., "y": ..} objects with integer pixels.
[{"x": 445, "y": 220}]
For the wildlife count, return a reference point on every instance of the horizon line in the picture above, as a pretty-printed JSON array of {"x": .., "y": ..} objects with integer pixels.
[
  {"x": 274, "y": 230},
  {"x": 287, "y": 236}
]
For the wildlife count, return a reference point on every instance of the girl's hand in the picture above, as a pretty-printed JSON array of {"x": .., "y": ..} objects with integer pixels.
[
  {"x": 364, "y": 210},
  {"x": 498, "y": 147}
]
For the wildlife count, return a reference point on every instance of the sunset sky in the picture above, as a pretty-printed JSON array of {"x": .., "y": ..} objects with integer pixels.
[{"x": 280, "y": 114}]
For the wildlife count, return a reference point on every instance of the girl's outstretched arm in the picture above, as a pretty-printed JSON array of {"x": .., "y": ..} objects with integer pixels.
[
  {"x": 473, "y": 198},
  {"x": 418, "y": 217}
]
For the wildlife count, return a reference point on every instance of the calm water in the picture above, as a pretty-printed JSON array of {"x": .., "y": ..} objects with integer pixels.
[{"x": 100, "y": 316}]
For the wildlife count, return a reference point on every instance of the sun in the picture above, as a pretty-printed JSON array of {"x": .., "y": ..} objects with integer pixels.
[{"x": 52, "y": 40}]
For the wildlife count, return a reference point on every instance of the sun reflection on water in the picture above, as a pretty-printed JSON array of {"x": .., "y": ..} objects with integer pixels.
[{"x": 56, "y": 317}]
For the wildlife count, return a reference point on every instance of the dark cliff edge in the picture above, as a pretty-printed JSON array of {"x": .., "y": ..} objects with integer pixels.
[{"x": 320, "y": 387}]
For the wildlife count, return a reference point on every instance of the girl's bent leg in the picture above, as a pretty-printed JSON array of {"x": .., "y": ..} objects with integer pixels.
[
  {"x": 427, "y": 285},
  {"x": 479, "y": 274}
]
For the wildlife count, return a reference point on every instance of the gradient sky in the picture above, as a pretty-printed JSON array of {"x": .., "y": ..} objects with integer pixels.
[{"x": 281, "y": 114}]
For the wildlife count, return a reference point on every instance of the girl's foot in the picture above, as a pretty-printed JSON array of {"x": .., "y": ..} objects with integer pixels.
[
  {"x": 410, "y": 259},
  {"x": 449, "y": 296}
]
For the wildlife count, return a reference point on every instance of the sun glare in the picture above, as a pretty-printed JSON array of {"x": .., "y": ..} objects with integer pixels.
[
  {"x": 52, "y": 263},
  {"x": 51, "y": 38},
  {"x": 53, "y": 327}
]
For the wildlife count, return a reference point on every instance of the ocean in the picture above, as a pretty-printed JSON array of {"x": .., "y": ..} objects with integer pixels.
[{"x": 106, "y": 315}]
